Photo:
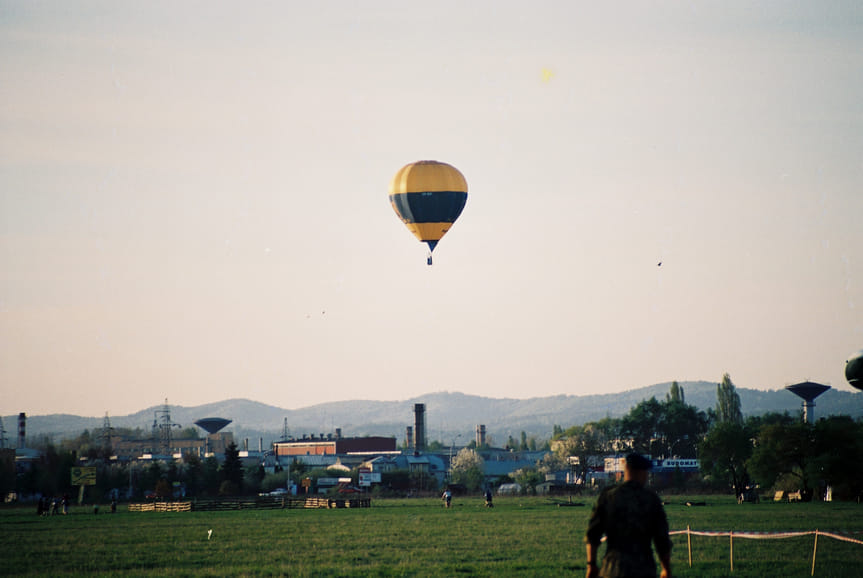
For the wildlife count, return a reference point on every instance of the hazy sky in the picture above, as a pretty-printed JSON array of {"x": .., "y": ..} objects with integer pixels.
[{"x": 193, "y": 199}]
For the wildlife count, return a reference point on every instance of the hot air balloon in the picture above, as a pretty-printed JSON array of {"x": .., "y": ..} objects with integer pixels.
[
  {"x": 854, "y": 370},
  {"x": 428, "y": 196}
]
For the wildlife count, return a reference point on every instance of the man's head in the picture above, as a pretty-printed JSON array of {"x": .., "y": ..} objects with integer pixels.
[{"x": 637, "y": 467}]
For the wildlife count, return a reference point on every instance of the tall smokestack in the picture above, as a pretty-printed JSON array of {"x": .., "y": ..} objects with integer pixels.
[
  {"x": 420, "y": 426},
  {"x": 409, "y": 437},
  {"x": 480, "y": 436},
  {"x": 22, "y": 430}
]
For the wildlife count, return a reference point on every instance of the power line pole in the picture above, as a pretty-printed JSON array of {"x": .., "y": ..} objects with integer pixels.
[
  {"x": 162, "y": 429},
  {"x": 107, "y": 432}
]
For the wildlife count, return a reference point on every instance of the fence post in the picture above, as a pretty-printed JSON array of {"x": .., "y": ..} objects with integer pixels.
[
  {"x": 731, "y": 538},
  {"x": 814, "y": 550},
  {"x": 689, "y": 545}
]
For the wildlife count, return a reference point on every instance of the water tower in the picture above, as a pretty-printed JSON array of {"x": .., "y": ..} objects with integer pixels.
[
  {"x": 211, "y": 425},
  {"x": 808, "y": 391}
]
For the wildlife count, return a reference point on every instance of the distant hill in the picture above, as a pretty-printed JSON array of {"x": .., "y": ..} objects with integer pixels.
[{"x": 448, "y": 414}]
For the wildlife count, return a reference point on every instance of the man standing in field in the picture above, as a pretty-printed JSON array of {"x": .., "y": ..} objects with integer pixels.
[{"x": 631, "y": 517}]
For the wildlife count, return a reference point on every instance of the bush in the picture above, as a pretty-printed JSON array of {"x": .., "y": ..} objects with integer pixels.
[
  {"x": 273, "y": 481},
  {"x": 229, "y": 488},
  {"x": 164, "y": 489}
]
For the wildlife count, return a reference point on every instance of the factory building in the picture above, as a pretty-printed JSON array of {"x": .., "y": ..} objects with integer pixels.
[
  {"x": 212, "y": 444},
  {"x": 333, "y": 445}
]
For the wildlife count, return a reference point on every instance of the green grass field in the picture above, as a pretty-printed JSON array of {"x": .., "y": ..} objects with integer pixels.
[{"x": 519, "y": 537}]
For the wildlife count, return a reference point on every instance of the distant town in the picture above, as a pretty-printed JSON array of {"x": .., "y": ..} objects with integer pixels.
[{"x": 692, "y": 450}]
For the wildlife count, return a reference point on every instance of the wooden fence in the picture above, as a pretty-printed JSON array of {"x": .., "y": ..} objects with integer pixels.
[
  {"x": 260, "y": 503},
  {"x": 161, "y": 507},
  {"x": 338, "y": 503}
]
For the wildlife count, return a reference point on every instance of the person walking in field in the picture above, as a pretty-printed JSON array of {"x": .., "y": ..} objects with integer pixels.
[
  {"x": 488, "y": 498},
  {"x": 631, "y": 517},
  {"x": 447, "y": 498}
]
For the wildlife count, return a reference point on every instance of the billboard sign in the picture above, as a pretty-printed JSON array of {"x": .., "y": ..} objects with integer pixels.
[
  {"x": 614, "y": 465},
  {"x": 366, "y": 479},
  {"x": 83, "y": 476}
]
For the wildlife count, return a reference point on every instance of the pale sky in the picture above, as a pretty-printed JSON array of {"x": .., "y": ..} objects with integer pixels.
[{"x": 193, "y": 199}]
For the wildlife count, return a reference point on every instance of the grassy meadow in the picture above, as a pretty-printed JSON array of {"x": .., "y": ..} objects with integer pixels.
[{"x": 521, "y": 536}]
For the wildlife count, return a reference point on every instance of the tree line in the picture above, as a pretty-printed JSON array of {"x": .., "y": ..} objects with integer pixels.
[
  {"x": 775, "y": 451},
  {"x": 50, "y": 475}
]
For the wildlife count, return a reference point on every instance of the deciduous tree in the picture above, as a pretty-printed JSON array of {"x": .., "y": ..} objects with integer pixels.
[
  {"x": 675, "y": 393},
  {"x": 641, "y": 426},
  {"x": 468, "y": 468},
  {"x": 723, "y": 454},
  {"x": 581, "y": 442},
  {"x": 838, "y": 460},
  {"x": 784, "y": 450},
  {"x": 728, "y": 402}
]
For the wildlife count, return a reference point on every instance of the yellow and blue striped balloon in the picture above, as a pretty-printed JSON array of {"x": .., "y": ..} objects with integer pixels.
[
  {"x": 428, "y": 196},
  {"x": 854, "y": 370}
]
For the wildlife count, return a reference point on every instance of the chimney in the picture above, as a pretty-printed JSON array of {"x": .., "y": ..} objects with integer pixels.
[
  {"x": 338, "y": 433},
  {"x": 409, "y": 437},
  {"x": 480, "y": 436},
  {"x": 22, "y": 430},
  {"x": 420, "y": 426}
]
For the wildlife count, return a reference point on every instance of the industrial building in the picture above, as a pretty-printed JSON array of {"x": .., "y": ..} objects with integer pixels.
[
  {"x": 163, "y": 445},
  {"x": 212, "y": 444},
  {"x": 334, "y": 445}
]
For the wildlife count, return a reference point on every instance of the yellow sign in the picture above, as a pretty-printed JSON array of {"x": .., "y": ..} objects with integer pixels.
[{"x": 84, "y": 476}]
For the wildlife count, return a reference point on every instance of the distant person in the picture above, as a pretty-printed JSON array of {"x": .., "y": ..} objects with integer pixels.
[
  {"x": 631, "y": 517},
  {"x": 447, "y": 498},
  {"x": 488, "y": 498}
]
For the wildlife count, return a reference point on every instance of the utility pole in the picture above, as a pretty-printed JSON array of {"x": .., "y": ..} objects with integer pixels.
[
  {"x": 162, "y": 429},
  {"x": 107, "y": 432}
]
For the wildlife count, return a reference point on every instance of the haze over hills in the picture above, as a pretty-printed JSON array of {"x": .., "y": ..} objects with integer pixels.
[{"x": 449, "y": 415}]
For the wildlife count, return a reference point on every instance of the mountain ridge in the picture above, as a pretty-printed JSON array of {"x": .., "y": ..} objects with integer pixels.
[{"x": 448, "y": 414}]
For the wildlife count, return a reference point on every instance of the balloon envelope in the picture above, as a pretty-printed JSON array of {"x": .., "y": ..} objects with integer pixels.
[
  {"x": 854, "y": 370},
  {"x": 428, "y": 196}
]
